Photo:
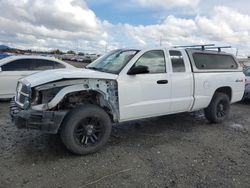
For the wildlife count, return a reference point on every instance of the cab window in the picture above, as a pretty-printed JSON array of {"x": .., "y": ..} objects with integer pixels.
[{"x": 154, "y": 60}]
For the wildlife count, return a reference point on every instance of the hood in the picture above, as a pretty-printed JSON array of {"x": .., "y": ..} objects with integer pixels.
[{"x": 59, "y": 74}]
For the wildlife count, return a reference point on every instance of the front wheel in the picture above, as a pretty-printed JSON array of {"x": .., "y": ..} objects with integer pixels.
[
  {"x": 218, "y": 109},
  {"x": 86, "y": 129}
]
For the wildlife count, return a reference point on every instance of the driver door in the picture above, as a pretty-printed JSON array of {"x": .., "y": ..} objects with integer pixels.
[{"x": 148, "y": 94}]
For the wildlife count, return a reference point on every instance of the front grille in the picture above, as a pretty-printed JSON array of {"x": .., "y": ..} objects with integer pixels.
[
  {"x": 23, "y": 94},
  {"x": 14, "y": 110},
  {"x": 22, "y": 98},
  {"x": 25, "y": 89}
]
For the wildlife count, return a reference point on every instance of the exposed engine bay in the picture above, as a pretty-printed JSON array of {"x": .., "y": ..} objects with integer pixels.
[{"x": 66, "y": 94}]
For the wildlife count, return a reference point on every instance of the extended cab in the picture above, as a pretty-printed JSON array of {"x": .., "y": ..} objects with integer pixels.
[{"x": 124, "y": 85}]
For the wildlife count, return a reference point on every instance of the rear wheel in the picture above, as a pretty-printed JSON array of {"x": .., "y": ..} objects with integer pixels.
[
  {"x": 218, "y": 109},
  {"x": 86, "y": 129}
]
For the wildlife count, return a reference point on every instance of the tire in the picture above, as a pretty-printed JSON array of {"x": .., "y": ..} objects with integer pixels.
[
  {"x": 218, "y": 109},
  {"x": 86, "y": 129}
]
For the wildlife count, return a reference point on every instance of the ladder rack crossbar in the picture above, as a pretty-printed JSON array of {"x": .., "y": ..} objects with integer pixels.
[{"x": 204, "y": 47}]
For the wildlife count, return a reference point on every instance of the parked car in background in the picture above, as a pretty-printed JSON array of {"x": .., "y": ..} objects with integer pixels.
[
  {"x": 15, "y": 67},
  {"x": 3, "y": 56},
  {"x": 247, "y": 87}
]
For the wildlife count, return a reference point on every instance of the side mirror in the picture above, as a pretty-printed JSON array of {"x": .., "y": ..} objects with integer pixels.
[
  {"x": 0, "y": 69},
  {"x": 138, "y": 70}
]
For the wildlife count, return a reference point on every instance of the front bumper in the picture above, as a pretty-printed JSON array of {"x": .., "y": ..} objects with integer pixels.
[{"x": 46, "y": 121}]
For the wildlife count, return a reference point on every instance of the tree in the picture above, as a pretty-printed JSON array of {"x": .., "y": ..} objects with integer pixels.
[
  {"x": 71, "y": 52},
  {"x": 57, "y": 51}
]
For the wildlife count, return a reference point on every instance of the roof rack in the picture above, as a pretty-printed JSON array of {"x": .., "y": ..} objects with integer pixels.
[
  {"x": 218, "y": 47},
  {"x": 204, "y": 47}
]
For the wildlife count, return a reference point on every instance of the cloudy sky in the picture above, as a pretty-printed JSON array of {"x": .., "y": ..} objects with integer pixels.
[{"x": 97, "y": 25}]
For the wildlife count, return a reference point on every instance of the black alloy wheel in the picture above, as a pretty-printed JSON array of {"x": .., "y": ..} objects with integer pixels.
[
  {"x": 89, "y": 132},
  {"x": 222, "y": 109},
  {"x": 218, "y": 109},
  {"x": 86, "y": 129}
]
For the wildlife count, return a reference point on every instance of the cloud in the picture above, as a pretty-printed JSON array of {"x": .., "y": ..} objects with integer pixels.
[
  {"x": 174, "y": 30},
  {"x": 166, "y": 4},
  {"x": 41, "y": 21},
  {"x": 225, "y": 26},
  {"x": 58, "y": 14},
  {"x": 71, "y": 24}
]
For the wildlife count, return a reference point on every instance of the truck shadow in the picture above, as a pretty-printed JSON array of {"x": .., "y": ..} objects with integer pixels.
[
  {"x": 159, "y": 127},
  {"x": 37, "y": 148},
  {"x": 245, "y": 102},
  {"x": 34, "y": 147}
]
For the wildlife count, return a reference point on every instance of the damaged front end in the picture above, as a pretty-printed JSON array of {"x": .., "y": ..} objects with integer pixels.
[{"x": 44, "y": 107}]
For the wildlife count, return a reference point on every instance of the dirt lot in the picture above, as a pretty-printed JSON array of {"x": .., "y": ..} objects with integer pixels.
[{"x": 173, "y": 151}]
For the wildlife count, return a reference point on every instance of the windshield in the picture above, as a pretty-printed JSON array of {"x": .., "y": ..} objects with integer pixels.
[{"x": 113, "y": 62}]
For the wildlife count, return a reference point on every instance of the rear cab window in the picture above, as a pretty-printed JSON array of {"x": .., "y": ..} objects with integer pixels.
[{"x": 177, "y": 61}]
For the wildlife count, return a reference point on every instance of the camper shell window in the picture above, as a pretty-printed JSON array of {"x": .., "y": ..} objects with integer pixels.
[{"x": 214, "y": 61}]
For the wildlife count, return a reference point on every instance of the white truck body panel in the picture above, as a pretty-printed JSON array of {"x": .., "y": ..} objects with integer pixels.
[
  {"x": 139, "y": 96},
  {"x": 124, "y": 85},
  {"x": 207, "y": 83},
  {"x": 182, "y": 86}
]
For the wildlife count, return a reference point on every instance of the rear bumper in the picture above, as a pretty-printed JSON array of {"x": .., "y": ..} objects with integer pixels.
[{"x": 46, "y": 121}]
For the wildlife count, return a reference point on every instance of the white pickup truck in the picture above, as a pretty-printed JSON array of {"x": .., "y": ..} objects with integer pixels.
[{"x": 124, "y": 85}]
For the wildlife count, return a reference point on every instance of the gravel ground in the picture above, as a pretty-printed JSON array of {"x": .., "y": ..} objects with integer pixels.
[{"x": 181, "y": 150}]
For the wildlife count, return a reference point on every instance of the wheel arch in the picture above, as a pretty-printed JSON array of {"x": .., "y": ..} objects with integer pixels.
[
  {"x": 96, "y": 97},
  {"x": 226, "y": 90}
]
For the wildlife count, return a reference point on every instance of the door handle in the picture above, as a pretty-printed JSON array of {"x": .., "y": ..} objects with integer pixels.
[{"x": 162, "y": 81}]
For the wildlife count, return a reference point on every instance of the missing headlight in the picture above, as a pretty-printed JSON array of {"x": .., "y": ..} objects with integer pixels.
[{"x": 45, "y": 96}]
